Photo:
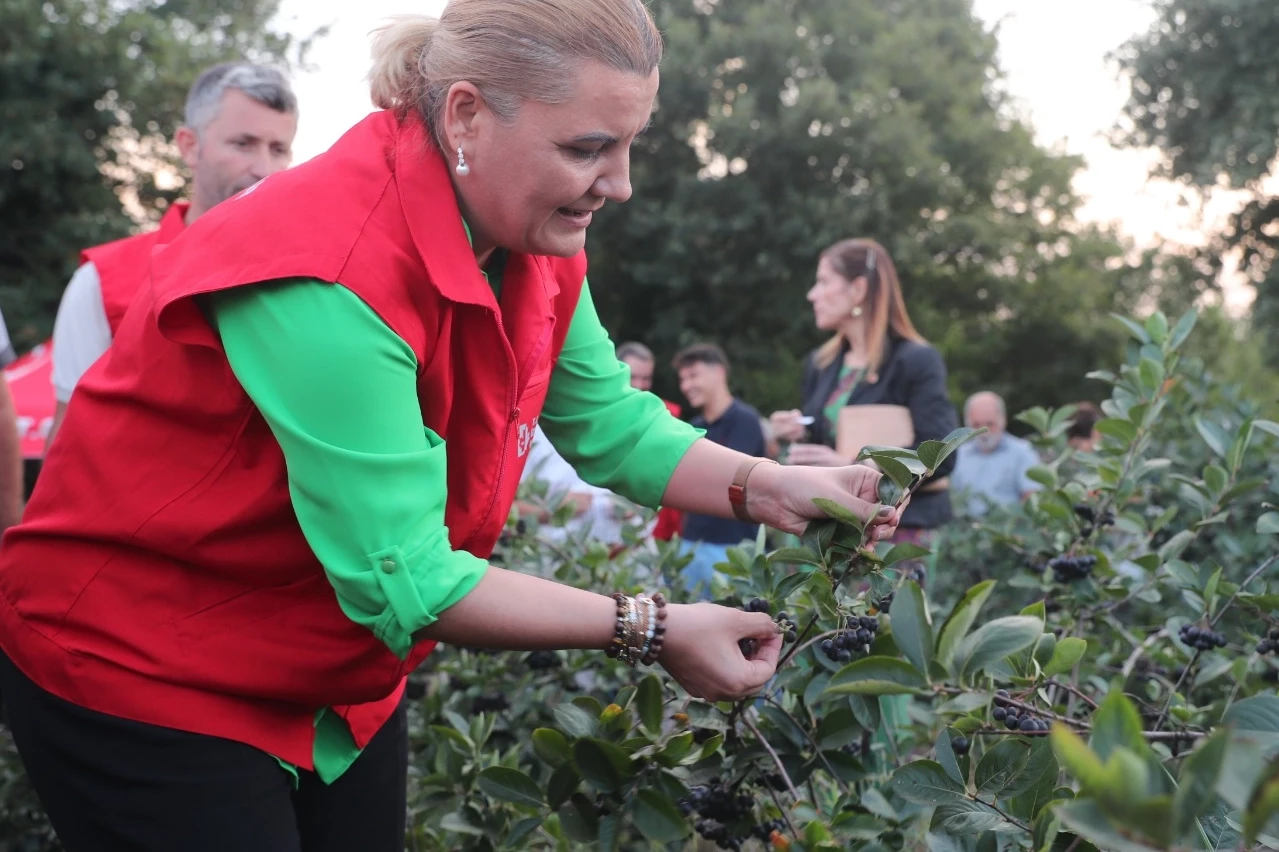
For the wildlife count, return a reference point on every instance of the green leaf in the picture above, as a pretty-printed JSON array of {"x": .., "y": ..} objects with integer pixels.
[
  {"x": 1113, "y": 427},
  {"x": 458, "y": 823},
  {"x": 1268, "y": 426},
  {"x": 1000, "y": 766},
  {"x": 912, "y": 629},
  {"x": 563, "y": 784},
  {"x": 1175, "y": 546},
  {"x": 1182, "y": 330},
  {"x": 510, "y": 785},
  {"x": 1268, "y": 524},
  {"x": 1134, "y": 328},
  {"x": 1263, "y": 806},
  {"x": 1259, "y": 713},
  {"x": 967, "y": 817},
  {"x": 795, "y": 556},
  {"x": 904, "y": 551},
  {"x": 1212, "y": 436},
  {"x": 789, "y": 584},
  {"x": 602, "y": 764},
  {"x": 521, "y": 830},
  {"x": 1078, "y": 759},
  {"x": 839, "y": 513},
  {"x": 1087, "y": 820},
  {"x": 551, "y": 746},
  {"x": 575, "y": 721},
  {"x": 1042, "y": 474},
  {"x": 876, "y": 676},
  {"x": 995, "y": 640},
  {"x": 924, "y": 782},
  {"x": 955, "y": 440},
  {"x": 895, "y": 470},
  {"x": 648, "y": 697},
  {"x": 610, "y": 833},
  {"x": 1239, "y": 447},
  {"x": 1198, "y": 782},
  {"x": 1067, "y": 652},
  {"x": 657, "y": 818},
  {"x": 1151, "y": 373},
  {"x": 1157, "y": 328},
  {"x": 823, "y": 594},
  {"x": 1041, "y": 766},
  {"x": 930, "y": 453},
  {"x": 960, "y": 620},
  {"x": 1116, "y": 724},
  {"x": 947, "y": 758},
  {"x": 1216, "y": 478},
  {"x": 579, "y": 820}
]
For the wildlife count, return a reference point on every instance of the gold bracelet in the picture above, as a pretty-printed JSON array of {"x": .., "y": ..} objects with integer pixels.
[{"x": 737, "y": 491}]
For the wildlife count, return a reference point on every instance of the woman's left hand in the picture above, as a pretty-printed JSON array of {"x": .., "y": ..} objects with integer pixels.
[
  {"x": 815, "y": 454},
  {"x": 782, "y": 497}
]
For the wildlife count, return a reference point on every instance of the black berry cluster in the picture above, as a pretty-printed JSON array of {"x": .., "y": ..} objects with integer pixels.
[
  {"x": 1201, "y": 638},
  {"x": 1067, "y": 569},
  {"x": 489, "y": 703},
  {"x": 858, "y": 633},
  {"x": 539, "y": 660},
  {"x": 1089, "y": 516},
  {"x": 960, "y": 745},
  {"x": 1015, "y": 718},
  {"x": 915, "y": 571},
  {"x": 757, "y": 605},
  {"x": 718, "y": 807},
  {"x": 1269, "y": 645}
]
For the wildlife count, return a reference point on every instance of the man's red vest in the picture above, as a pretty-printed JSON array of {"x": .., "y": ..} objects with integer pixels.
[
  {"x": 123, "y": 265},
  {"x": 159, "y": 573}
]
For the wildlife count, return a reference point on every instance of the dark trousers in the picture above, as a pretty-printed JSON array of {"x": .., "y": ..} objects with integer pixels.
[{"x": 111, "y": 785}]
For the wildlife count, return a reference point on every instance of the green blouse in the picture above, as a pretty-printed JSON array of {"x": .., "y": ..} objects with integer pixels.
[{"x": 338, "y": 389}]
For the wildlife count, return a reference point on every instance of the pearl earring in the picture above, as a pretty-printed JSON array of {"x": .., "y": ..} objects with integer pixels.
[
  {"x": 462, "y": 168},
  {"x": 857, "y": 310}
]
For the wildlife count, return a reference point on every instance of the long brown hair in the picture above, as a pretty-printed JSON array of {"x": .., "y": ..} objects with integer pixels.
[{"x": 885, "y": 307}]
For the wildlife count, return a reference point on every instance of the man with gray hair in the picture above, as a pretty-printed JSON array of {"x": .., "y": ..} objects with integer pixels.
[
  {"x": 239, "y": 126},
  {"x": 991, "y": 469}
]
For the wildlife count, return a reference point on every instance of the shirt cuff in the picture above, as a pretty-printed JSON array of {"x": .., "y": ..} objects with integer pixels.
[{"x": 419, "y": 586}]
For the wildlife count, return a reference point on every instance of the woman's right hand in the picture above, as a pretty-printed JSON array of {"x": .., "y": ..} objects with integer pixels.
[
  {"x": 701, "y": 650},
  {"x": 786, "y": 425}
]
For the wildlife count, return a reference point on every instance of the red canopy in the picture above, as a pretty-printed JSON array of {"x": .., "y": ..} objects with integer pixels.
[{"x": 31, "y": 383}]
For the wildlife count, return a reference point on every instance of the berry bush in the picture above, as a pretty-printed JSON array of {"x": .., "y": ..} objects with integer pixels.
[{"x": 1096, "y": 671}]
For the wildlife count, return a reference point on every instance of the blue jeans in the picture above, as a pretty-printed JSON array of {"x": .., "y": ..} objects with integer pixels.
[{"x": 701, "y": 571}]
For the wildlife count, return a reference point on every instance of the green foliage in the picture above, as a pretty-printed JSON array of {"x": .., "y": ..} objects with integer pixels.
[
  {"x": 1128, "y": 739},
  {"x": 90, "y": 94},
  {"x": 1204, "y": 92}
]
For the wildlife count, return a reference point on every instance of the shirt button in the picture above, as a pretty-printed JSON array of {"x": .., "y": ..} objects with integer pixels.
[{"x": 388, "y": 566}]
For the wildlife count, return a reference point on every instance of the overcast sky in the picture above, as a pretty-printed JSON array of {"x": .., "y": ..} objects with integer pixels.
[{"x": 1053, "y": 52}]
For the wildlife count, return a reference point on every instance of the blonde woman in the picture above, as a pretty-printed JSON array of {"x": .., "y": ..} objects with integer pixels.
[{"x": 280, "y": 486}]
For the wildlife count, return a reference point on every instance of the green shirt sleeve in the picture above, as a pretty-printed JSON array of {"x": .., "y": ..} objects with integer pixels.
[
  {"x": 368, "y": 481},
  {"x": 616, "y": 437}
]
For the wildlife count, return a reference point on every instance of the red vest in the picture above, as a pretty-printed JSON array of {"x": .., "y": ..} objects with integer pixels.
[
  {"x": 159, "y": 573},
  {"x": 670, "y": 522},
  {"x": 123, "y": 265}
]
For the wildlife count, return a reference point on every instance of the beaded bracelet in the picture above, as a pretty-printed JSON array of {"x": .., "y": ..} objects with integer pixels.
[{"x": 640, "y": 629}]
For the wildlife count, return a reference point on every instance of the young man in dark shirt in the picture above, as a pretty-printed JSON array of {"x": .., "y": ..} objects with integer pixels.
[{"x": 703, "y": 379}]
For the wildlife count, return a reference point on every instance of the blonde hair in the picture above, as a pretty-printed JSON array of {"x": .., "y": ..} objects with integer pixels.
[
  {"x": 511, "y": 50},
  {"x": 885, "y": 308}
]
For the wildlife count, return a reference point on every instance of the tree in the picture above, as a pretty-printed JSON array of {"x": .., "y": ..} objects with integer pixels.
[
  {"x": 1205, "y": 91},
  {"x": 784, "y": 126},
  {"x": 91, "y": 92}
]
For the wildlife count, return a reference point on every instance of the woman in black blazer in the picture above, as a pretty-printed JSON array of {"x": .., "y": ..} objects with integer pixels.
[{"x": 876, "y": 357}]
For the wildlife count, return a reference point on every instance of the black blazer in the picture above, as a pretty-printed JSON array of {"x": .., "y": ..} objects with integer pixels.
[{"x": 912, "y": 375}]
